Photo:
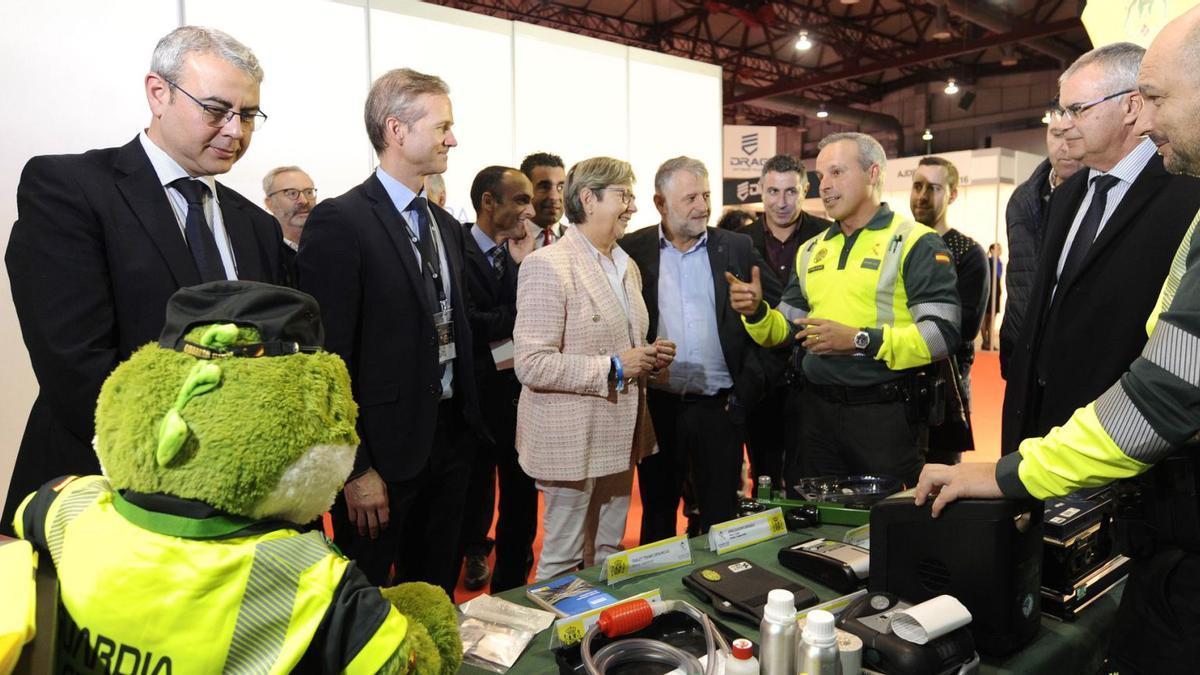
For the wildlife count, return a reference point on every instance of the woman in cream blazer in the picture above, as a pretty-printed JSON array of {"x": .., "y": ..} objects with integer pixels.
[{"x": 582, "y": 359}]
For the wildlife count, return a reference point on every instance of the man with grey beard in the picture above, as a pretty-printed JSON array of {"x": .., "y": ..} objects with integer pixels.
[{"x": 697, "y": 405}]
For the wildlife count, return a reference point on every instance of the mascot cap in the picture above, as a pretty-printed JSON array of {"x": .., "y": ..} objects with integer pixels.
[{"x": 288, "y": 321}]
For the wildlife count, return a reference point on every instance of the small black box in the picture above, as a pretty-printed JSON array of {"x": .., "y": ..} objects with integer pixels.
[
  {"x": 1078, "y": 537},
  {"x": 987, "y": 553}
]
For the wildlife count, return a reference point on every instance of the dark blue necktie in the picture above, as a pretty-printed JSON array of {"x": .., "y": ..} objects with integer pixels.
[
  {"x": 200, "y": 239},
  {"x": 499, "y": 260},
  {"x": 1088, "y": 227}
]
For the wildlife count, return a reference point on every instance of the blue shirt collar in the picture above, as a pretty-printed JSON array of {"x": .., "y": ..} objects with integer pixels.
[
  {"x": 401, "y": 196},
  {"x": 485, "y": 242}
]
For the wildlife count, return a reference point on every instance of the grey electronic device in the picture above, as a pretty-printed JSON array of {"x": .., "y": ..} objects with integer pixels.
[{"x": 838, "y": 565}]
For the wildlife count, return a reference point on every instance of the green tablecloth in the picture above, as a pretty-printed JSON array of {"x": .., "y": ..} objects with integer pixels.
[{"x": 1059, "y": 648}]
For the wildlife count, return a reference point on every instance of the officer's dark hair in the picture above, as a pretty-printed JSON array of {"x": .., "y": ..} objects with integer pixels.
[
  {"x": 487, "y": 180},
  {"x": 537, "y": 159},
  {"x": 951, "y": 170}
]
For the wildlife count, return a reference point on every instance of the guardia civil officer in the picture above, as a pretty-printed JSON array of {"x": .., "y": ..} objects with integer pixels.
[{"x": 872, "y": 300}]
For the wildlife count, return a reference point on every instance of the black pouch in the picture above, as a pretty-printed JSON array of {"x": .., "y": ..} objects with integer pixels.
[{"x": 739, "y": 588}]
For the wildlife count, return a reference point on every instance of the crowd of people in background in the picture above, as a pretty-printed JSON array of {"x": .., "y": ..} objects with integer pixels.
[{"x": 560, "y": 359}]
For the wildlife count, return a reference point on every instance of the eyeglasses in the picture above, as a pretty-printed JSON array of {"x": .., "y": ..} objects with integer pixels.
[
  {"x": 1075, "y": 110},
  {"x": 626, "y": 196},
  {"x": 216, "y": 116},
  {"x": 293, "y": 193}
]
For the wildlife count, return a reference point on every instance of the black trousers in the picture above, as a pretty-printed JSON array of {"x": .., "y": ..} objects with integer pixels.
[
  {"x": 773, "y": 434},
  {"x": 516, "y": 525},
  {"x": 1158, "y": 623},
  {"x": 846, "y": 439},
  {"x": 697, "y": 442},
  {"x": 425, "y": 514}
]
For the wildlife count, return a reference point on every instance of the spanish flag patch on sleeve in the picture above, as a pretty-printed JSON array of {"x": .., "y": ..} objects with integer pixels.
[{"x": 943, "y": 258}]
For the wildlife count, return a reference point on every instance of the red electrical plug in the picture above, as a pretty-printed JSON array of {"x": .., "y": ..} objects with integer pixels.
[{"x": 626, "y": 618}]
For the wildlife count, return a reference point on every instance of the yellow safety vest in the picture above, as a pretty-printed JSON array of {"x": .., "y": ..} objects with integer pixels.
[{"x": 137, "y": 601}]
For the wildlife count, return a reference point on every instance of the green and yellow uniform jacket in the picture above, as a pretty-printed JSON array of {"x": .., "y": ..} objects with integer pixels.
[
  {"x": 894, "y": 278},
  {"x": 160, "y": 585},
  {"x": 1152, "y": 410}
]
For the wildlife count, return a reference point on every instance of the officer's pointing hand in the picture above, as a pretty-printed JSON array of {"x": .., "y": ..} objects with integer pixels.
[{"x": 745, "y": 297}]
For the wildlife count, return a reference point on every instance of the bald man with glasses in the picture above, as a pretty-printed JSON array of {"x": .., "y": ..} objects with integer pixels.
[
  {"x": 290, "y": 197},
  {"x": 1111, "y": 231}
]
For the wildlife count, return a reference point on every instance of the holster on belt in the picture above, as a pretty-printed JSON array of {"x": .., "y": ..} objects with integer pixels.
[{"x": 1161, "y": 508}]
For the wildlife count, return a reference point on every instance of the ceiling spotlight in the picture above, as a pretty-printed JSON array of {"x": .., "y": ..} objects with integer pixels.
[
  {"x": 1046, "y": 118},
  {"x": 951, "y": 87},
  {"x": 1008, "y": 56},
  {"x": 803, "y": 43},
  {"x": 941, "y": 25},
  {"x": 927, "y": 136},
  {"x": 822, "y": 112},
  {"x": 849, "y": 2}
]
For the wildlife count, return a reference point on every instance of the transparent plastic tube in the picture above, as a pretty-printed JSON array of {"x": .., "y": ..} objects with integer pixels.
[{"x": 643, "y": 650}]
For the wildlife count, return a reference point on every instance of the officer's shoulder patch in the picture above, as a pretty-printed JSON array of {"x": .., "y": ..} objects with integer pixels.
[
  {"x": 820, "y": 255},
  {"x": 943, "y": 258}
]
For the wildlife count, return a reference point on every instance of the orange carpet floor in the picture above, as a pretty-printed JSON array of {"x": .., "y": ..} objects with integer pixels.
[{"x": 987, "y": 390}]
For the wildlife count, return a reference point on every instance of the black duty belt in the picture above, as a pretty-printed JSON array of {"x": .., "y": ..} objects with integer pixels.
[{"x": 888, "y": 392}]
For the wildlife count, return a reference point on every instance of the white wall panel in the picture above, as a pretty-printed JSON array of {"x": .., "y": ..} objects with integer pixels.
[
  {"x": 571, "y": 98},
  {"x": 674, "y": 109},
  {"x": 314, "y": 59}
]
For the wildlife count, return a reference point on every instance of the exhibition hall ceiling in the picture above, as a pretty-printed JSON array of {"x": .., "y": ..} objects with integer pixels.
[{"x": 857, "y": 51}]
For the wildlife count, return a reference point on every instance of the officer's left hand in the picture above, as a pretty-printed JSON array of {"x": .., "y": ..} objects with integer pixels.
[
  {"x": 948, "y": 483},
  {"x": 822, "y": 336}
]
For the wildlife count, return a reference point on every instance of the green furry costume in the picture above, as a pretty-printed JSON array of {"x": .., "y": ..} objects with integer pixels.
[{"x": 186, "y": 556}]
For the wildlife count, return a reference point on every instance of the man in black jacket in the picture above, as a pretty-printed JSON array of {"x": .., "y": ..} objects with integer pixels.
[
  {"x": 1110, "y": 235},
  {"x": 1026, "y": 222},
  {"x": 773, "y": 428},
  {"x": 387, "y": 268},
  {"x": 103, "y": 239},
  {"x": 698, "y": 404},
  {"x": 503, "y": 201}
]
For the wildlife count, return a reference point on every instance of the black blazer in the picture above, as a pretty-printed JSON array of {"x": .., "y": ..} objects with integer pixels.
[
  {"x": 1095, "y": 326},
  {"x": 727, "y": 252},
  {"x": 493, "y": 312},
  {"x": 356, "y": 259},
  {"x": 95, "y": 253}
]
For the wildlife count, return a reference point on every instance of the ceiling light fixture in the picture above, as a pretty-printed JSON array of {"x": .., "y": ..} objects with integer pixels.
[
  {"x": 941, "y": 25},
  {"x": 822, "y": 112},
  {"x": 951, "y": 87},
  {"x": 1046, "y": 118},
  {"x": 927, "y": 136},
  {"x": 1008, "y": 56},
  {"x": 803, "y": 43}
]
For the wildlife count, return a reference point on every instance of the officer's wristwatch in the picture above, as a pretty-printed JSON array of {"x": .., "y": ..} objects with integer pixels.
[{"x": 862, "y": 340}]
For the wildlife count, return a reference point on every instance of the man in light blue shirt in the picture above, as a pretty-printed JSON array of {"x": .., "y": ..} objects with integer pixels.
[{"x": 698, "y": 404}]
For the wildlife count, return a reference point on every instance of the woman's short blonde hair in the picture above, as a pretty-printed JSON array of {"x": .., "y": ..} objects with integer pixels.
[{"x": 593, "y": 174}]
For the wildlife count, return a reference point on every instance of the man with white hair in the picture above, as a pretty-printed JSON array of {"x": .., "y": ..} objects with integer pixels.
[
  {"x": 103, "y": 239},
  {"x": 699, "y": 404},
  {"x": 1110, "y": 233},
  {"x": 872, "y": 300}
]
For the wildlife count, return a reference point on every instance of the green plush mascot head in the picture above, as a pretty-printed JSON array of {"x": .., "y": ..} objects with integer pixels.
[{"x": 236, "y": 406}]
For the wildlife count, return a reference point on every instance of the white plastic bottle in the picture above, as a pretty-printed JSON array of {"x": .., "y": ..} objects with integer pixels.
[
  {"x": 742, "y": 662},
  {"x": 818, "y": 646},
  {"x": 777, "y": 646}
]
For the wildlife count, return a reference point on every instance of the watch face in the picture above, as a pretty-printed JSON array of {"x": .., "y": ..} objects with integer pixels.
[{"x": 861, "y": 340}]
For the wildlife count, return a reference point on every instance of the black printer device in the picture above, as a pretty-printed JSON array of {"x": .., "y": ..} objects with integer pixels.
[{"x": 987, "y": 553}]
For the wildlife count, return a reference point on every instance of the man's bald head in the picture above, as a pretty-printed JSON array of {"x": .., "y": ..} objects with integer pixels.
[{"x": 1169, "y": 81}]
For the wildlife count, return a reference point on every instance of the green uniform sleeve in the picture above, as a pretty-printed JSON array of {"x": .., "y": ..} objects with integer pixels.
[
  {"x": 931, "y": 287},
  {"x": 770, "y": 327},
  {"x": 1153, "y": 409}
]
